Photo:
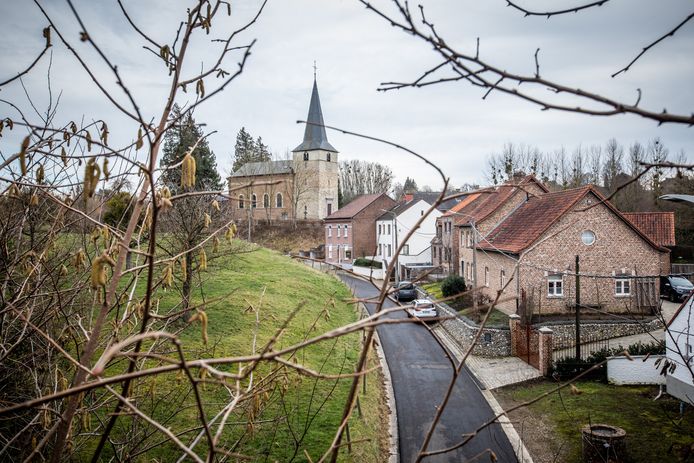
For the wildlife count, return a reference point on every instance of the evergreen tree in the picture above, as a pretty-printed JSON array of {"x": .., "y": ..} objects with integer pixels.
[
  {"x": 245, "y": 149},
  {"x": 177, "y": 141},
  {"x": 410, "y": 186},
  {"x": 262, "y": 153}
]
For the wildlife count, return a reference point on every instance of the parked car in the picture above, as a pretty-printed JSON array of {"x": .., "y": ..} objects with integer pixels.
[
  {"x": 422, "y": 309},
  {"x": 405, "y": 292},
  {"x": 675, "y": 288}
]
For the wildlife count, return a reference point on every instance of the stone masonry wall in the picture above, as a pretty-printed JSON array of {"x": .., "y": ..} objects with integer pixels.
[
  {"x": 564, "y": 333},
  {"x": 493, "y": 342}
]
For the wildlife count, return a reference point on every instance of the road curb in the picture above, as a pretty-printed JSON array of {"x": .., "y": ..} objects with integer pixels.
[
  {"x": 394, "y": 454},
  {"x": 522, "y": 454}
]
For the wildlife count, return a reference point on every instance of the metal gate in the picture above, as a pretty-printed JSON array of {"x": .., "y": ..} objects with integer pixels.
[{"x": 527, "y": 339}]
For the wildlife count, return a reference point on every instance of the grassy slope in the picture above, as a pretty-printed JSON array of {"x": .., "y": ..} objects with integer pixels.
[
  {"x": 274, "y": 286},
  {"x": 652, "y": 427}
]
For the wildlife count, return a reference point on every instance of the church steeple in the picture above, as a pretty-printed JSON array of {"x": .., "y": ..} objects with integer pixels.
[{"x": 315, "y": 137}]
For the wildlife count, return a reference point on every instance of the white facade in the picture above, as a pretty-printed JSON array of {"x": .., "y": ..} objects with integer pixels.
[
  {"x": 637, "y": 370},
  {"x": 679, "y": 343},
  {"x": 417, "y": 249}
]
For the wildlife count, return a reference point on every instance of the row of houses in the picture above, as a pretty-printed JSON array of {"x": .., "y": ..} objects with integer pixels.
[{"x": 518, "y": 238}]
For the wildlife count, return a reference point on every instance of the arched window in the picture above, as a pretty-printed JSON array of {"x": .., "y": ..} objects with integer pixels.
[
  {"x": 266, "y": 200},
  {"x": 254, "y": 201},
  {"x": 328, "y": 157},
  {"x": 306, "y": 156},
  {"x": 241, "y": 202},
  {"x": 278, "y": 200}
]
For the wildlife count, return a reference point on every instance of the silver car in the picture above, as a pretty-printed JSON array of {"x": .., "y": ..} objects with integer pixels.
[{"x": 422, "y": 309}]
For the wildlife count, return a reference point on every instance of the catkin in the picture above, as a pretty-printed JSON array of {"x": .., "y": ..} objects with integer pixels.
[
  {"x": 40, "y": 174},
  {"x": 215, "y": 244},
  {"x": 23, "y": 156},
  {"x": 203, "y": 260},
  {"x": 208, "y": 220},
  {"x": 63, "y": 155},
  {"x": 203, "y": 323},
  {"x": 13, "y": 191},
  {"x": 167, "y": 279},
  {"x": 215, "y": 205},
  {"x": 104, "y": 169},
  {"x": 79, "y": 259},
  {"x": 63, "y": 271},
  {"x": 34, "y": 201},
  {"x": 99, "y": 270},
  {"x": 188, "y": 171},
  {"x": 92, "y": 172},
  {"x": 230, "y": 233}
]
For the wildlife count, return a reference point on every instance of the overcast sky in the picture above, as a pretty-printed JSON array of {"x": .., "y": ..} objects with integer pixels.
[{"x": 355, "y": 51}]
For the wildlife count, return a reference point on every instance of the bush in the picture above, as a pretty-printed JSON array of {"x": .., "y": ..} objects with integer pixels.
[
  {"x": 452, "y": 285},
  {"x": 362, "y": 262},
  {"x": 569, "y": 367}
]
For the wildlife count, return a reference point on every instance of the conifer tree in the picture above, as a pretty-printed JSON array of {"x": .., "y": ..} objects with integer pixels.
[{"x": 177, "y": 142}]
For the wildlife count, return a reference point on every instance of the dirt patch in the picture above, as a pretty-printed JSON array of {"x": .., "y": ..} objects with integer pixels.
[{"x": 540, "y": 438}]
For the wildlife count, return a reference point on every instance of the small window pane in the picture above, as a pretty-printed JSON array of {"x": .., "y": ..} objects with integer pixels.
[{"x": 588, "y": 237}]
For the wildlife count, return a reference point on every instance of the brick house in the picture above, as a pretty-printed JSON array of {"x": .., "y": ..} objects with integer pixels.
[
  {"x": 445, "y": 246},
  {"x": 546, "y": 232},
  {"x": 350, "y": 232},
  {"x": 484, "y": 213}
]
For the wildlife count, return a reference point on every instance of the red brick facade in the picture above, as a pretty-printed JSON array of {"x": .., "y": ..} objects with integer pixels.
[{"x": 358, "y": 219}]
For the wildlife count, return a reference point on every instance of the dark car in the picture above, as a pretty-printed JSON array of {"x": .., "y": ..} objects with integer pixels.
[
  {"x": 405, "y": 292},
  {"x": 675, "y": 288}
]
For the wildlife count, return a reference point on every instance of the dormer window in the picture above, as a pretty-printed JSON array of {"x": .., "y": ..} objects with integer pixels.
[
  {"x": 306, "y": 156},
  {"x": 328, "y": 157}
]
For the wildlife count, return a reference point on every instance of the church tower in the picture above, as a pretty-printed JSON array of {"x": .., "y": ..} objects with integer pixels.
[{"x": 315, "y": 167}]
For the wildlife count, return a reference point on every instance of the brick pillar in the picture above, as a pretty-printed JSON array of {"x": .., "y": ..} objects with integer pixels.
[
  {"x": 514, "y": 326},
  {"x": 545, "y": 349}
]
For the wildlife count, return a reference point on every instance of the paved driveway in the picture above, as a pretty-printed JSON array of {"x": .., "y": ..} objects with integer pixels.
[{"x": 420, "y": 374}]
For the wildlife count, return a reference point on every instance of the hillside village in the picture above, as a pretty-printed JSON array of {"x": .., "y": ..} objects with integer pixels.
[{"x": 479, "y": 249}]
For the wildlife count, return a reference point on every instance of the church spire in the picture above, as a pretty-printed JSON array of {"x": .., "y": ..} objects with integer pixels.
[{"x": 315, "y": 137}]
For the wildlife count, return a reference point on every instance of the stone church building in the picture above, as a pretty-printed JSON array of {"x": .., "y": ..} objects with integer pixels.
[{"x": 303, "y": 187}]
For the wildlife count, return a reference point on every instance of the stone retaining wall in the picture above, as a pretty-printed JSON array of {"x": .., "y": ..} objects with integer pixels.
[
  {"x": 493, "y": 342},
  {"x": 564, "y": 332}
]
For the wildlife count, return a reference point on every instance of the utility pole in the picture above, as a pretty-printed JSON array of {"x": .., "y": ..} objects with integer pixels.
[
  {"x": 474, "y": 267},
  {"x": 578, "y": 312}
]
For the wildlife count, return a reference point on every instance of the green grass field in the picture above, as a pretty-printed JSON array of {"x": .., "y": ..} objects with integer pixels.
[
  {"x": 290, "y": 415},
  {"x": 655, "y": 430}
]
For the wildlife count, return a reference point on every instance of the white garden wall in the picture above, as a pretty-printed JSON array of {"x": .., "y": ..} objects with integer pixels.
[{"x": 622, "y": 371}]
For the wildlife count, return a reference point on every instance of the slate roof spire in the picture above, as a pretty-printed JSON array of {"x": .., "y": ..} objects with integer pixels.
[{"x": 315, "y": 137}]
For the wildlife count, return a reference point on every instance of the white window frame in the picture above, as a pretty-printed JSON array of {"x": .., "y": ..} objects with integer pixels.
[
  {"x": 279, "y": 200},
  {"x": 339, "y": 230},
  {"x": 552, "y": 289},
  {"x": 390, "y": 250},
  {"x": 405, "y": 250},
  {"x": 389, "y": 229},
  {"x": 330, "y": 231},
  {"x": 346, "y": 234},
  {"x": 619, "y": 285},
  {"x": 330, "y": 251},
  {"x": 486, "y": 277},
  {"x": 502, "y": 278}
]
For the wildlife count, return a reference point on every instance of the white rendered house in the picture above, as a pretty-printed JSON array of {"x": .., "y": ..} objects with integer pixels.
[
  {"x": 394, "y": 225},
  {"x": 679, "y": 343}
]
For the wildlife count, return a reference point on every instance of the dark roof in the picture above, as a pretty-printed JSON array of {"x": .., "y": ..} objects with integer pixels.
[
  {"x": 534, "y": 217},
  {"x": 315, "y": 137},
  {"x": 251, "y": 169},
  {"x": 398, "y": 209},
  {"x": 431, "y": 197},
  {"x": 354, "y": 207},
  {"x": 658, "y": 226}
]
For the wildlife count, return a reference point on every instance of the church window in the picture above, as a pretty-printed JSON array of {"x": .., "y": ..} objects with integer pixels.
[
  {"x": 328, "y": 157},
  {"x": 241, "y": 205},
  {"x": 278, "y": 200},
  {"x": 306, "y": 156},
  {"x": 266, "y": 200},
  {"x": 254, "y": 201}
]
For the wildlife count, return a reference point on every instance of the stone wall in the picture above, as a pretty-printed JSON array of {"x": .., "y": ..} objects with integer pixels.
[
  {"x": 493, "y": 342},
  {"x": 564, "y": 332}
]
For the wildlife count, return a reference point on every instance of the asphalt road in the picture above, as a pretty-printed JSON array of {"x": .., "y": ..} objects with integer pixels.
[{"x": 420, "y": 374}]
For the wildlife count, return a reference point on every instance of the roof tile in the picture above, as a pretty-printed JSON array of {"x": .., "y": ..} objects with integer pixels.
[{"x": 658, "y": 226}]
